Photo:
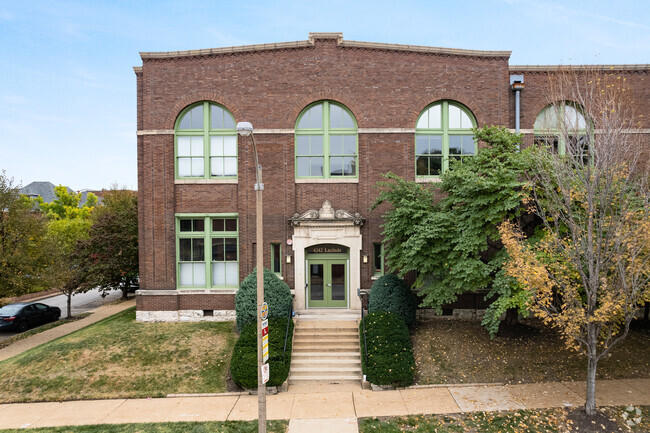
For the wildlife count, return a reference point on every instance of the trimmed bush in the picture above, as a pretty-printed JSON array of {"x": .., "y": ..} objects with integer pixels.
[
  {"x": 390, "y": 293},
  {"x": 243, "y": 365},
  {"x": 390, "y": 353},
  {"x": 276, "y": 293}
]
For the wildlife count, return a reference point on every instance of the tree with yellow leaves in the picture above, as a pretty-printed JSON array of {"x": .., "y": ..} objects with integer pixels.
[{"x": 588, "y": 270}]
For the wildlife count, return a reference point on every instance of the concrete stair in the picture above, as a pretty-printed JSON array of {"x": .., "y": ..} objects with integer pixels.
[{"x": 325, "y": 349}]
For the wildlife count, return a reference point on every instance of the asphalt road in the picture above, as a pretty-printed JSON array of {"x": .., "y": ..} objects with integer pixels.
[{"x": 81, "y": 303}]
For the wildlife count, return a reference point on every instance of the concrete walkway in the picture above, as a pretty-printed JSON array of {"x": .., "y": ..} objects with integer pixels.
[
  {"x": 324, "y": 409},
  {"x": 98, "y": 314}
]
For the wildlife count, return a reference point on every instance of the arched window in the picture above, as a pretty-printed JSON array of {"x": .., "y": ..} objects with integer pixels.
[
  {"x": 326, "y": 142},
  {"x": 443, "y": 132},
  {"x": 206, "y": 142},
  {"x": 563, "y": 128}
]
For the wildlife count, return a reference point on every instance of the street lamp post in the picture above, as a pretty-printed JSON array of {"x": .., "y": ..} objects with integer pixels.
[{"x": 245, "y": 129}]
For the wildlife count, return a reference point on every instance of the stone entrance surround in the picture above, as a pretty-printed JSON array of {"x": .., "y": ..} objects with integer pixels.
[{"x": 327, "y": 226}]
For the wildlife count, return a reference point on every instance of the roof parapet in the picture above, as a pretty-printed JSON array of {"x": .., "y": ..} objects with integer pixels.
[{"x": 311, "y": 42}]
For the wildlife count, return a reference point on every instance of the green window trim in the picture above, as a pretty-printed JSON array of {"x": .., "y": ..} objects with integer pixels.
[
  {"x": 205, "y": 143},
  {"x": 552, "y": 127},
  {"x": 377, "y": 259},
  {"x": 207, "y": 251},
  {"x": 276, "y": 258},
  {"x": 443, "y": 131},
  {"x": 326, "y": 142}
]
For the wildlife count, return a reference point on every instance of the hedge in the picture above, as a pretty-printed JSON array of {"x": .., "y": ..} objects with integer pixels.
[
  {"x": 390, "y": 353},
  {"x": 276, "y": 294},
  {"x": 390, "y": 293},
  {"x": 243, "y": 365}
]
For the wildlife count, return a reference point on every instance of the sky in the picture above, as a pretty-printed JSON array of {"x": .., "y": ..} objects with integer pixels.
[{"x": 68, "y": 91}]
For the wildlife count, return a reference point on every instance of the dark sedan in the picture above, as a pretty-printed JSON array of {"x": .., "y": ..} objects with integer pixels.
[{"x": 21, "y": 316}]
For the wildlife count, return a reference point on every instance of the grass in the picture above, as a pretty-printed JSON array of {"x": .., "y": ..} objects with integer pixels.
[
  {"x": 166, "y": 427},
  {"x": 121, "y": 358},
  {"x": 456, "y": 351},
  {"x": 522, "y": 421},
  {"x": 29, "y": 333}
]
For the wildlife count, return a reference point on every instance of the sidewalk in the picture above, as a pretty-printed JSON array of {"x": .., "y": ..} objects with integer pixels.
[
  {"x": 325, "y": 410},
  {"x": 98, "y": 314}
]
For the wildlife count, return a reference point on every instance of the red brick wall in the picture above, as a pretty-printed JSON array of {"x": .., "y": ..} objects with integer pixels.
[{"x": 383, "y": 88}]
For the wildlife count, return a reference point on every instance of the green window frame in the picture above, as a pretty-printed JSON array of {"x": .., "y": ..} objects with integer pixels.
[
  {"x": 326, "y": 142},
  {"x": 443, "y": 132},
  {"x": 205, "y": 143},
  {"x": 276, "y": 258},
  {"x": 563, "y": 126},
  {"x": 377, "y": 259},
  {"x": 207, "y": 251}
]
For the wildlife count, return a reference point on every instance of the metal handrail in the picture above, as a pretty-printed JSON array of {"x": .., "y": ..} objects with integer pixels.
[
  {"x": 286, "y": 333},
  {"x": 361, "y": 293}
]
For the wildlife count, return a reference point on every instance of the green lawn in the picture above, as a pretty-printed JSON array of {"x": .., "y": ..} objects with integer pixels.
[
  {"x": 166, "y": 427},
  {"x": 121, "y": 358}
]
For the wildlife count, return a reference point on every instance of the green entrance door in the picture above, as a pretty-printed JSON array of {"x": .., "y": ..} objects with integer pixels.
[{"x": 327, "y": 283}]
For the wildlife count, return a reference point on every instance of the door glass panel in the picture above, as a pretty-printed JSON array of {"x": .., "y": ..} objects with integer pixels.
[
  {"x": 316, "y": 292},
  {"x": 338, "y": 282}
]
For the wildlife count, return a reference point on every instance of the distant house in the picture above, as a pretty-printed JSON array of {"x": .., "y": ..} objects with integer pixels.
[{"x": 45, "y": 190}]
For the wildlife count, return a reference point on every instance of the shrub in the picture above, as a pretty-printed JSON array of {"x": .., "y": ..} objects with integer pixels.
[
  {"x": 243, "y": 365},
  {"x": 276, "y": 293},
  {"x": 390, "y": 353},
  {"x": 390, "y": 293}
]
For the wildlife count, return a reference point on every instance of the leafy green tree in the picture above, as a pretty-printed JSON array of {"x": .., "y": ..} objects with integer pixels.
[
  {"x": 68, "y": 225},
  {"x": 110, "y": 254},
  {"x": 447, "y": 232},
  {"x": 590, "y": 270},
  {"x": 21, "y": 232}
]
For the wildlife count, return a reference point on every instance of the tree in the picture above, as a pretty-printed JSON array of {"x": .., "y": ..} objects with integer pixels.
[
  {"x": 590, "y": 269},
  {"x": 110, "y": 254},
  {"x": 68, "y": 225},
  {"x": 447, "y": 232},
  {"x": 21, "y": 233}
]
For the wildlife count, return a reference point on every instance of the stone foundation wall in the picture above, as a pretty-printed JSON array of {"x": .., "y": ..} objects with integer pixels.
[{"x": 186, "y": 316}]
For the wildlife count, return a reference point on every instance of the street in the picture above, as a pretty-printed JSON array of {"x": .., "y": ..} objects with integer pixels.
[{"x": 81, "y": 303}]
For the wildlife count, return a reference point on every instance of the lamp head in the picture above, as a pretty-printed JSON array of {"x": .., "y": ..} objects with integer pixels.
[{"x": 244, "y": 128}]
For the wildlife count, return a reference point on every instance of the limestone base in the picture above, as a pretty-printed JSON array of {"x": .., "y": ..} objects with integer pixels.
[{"x": 186, "y": 316}]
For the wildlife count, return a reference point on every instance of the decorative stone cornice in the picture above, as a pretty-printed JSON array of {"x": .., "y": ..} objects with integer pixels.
[
  {"x": 324, "y": 36},
  {"x": 326, "y": 215}
]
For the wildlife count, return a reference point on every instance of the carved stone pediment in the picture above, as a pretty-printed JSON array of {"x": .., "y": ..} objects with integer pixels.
[{"x": 326, "y": 214}]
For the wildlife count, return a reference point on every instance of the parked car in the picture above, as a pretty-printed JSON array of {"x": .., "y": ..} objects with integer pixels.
[{"x": 21, "y": 316}]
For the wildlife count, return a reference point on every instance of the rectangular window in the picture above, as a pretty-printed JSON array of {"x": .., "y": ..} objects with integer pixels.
[
  {"x": 276, "y": 258},
  {"x": 208, "y": 251},
  {"x": 378, "y": 259}
]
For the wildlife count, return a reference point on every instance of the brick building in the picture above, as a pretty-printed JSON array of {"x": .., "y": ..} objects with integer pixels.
[{"x": 330, "y": 116}]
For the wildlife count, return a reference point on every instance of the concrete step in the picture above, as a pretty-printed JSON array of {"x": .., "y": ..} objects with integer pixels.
[
  {"x": 342, "y": 347},
  {"x": 324, "y": 379},
  {"x": 326, "y": 332},
  {"x": 340, "y": 371},
  {"x": 318, "y": 364},
  {"x": 326, "y": 340},
  {"x": 326, "y": 324},
  {"x": 348, "y": 355}
]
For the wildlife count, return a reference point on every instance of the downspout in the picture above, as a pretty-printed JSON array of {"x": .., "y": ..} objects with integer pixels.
[{"x": 517, "y": 84}]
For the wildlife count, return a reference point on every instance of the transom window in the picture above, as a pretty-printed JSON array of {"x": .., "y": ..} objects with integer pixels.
[
  {"x": 562, "y": 127},
  {"x": 206, "y": 142},
  {"x": 326, "y": 142},
  {"x": 443, "y": 132},
  {"x": 208, "y": 252}
]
